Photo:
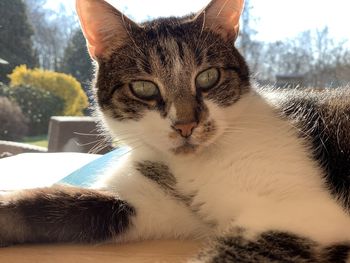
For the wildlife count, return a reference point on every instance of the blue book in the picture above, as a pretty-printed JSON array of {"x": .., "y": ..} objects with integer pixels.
[{"x": 90, "y": 173}]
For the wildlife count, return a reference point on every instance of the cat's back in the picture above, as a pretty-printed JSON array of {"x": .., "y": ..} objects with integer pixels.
[{"x": 322, "y": 117}]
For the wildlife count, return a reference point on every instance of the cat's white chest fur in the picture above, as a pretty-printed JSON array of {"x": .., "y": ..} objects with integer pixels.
[{"x": 262, "y": 178}]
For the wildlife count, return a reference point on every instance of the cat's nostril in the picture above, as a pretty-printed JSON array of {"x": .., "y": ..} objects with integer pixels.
[{"x": 185, "y": 129}]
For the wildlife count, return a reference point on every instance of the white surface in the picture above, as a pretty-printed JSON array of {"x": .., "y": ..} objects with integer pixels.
[{"x": 30, "y": 170}]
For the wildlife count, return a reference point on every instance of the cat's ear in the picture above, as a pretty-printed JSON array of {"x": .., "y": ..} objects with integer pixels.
[
  {"x": 104, "y": 27},
  {"x": 222, "y": 16}
]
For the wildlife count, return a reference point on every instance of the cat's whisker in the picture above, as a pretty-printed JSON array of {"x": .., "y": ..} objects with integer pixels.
[
  {"x": 126, "y": 132},
  {"x": 92, "y": 142},
  {"x": 121, "y": 136},
  {"x": 89, "y": 134},
  {"x": 99, "y": 146},
  {"x": 126, "y": 138}
]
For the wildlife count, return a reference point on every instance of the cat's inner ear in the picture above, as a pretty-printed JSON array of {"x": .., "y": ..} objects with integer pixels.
[
  {"x": 222, "y": 16},
  {"x": 104, "y": 27}
]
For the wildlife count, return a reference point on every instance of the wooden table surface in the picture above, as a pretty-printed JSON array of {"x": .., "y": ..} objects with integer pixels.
[{"x": 149, "y": 251}]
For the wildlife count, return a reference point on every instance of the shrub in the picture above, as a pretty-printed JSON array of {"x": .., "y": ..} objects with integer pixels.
[
  {"x": 38, "y": 106},
  {"x": 59, "y": 84},
  {"x": 3, "y": 90},
  {"x": 13, "y": 124}
]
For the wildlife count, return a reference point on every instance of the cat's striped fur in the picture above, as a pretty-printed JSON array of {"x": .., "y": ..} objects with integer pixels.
[{"x": 264, "y": 173}]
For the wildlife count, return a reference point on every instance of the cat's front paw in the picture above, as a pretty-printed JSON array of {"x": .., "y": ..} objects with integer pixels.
[{"x": 12, "y": 229}]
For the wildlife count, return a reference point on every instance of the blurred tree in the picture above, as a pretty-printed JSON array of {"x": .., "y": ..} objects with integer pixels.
[
  {"x": 76, "y": 60},
  {"x": 52, "y": 31},
  {"x": 329, "y": 56},
  {"x": 16, "y": 46},
  {"x": 314, "y": 54},
  {"x": 251, "y": 49}
]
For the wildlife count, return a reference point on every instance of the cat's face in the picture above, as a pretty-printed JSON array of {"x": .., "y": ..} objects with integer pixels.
[{"x": 168, "y": 83}]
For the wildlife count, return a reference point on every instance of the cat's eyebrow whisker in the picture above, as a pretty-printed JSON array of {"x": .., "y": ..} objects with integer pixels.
[
  {"x": 139, "y": 58},
  {"x": 201, "y": 44},
  {"x": 138, "y": 49},
  {"x": 145, "y": 64},
  {"x": 203, "y": 23},
  {"x": 222, "y": 8},
  {"x": 208, "y": 47}
]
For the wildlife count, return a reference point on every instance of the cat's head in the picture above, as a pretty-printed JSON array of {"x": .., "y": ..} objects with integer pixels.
[{"x": 169, "y": 82}]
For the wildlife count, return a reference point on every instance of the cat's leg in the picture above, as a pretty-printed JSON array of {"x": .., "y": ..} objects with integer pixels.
[
  {"x": 271, "y": 247},
  {"x": 62, "y": 214},
  {"x": 68, "y": 214}
]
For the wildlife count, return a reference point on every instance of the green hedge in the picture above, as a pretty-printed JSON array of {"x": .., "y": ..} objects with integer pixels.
[{"x": 36, "y": 104}]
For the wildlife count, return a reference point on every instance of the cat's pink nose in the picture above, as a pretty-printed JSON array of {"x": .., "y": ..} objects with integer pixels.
[{"x": 185, "y": 129}]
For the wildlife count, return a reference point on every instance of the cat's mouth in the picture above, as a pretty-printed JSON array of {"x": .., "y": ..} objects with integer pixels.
[{"x": 186, "y": 148}]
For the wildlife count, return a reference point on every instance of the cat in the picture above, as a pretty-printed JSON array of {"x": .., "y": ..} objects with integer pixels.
[{"x": 263, "y": 173}]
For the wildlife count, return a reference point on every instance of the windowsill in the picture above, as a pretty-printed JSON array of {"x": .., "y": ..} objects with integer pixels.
[{"x": 148, "y": 251}]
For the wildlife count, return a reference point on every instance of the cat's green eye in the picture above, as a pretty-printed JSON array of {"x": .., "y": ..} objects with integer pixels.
[
  {"x": 145, "y": 90},
  {"x": 207, "y": 79}
]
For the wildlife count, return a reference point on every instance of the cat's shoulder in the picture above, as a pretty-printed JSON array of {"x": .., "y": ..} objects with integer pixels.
[
  {"x": 322, "y": 118},
  {"x": 324, "y": 111},
  {"x": 325, "y": 99}
]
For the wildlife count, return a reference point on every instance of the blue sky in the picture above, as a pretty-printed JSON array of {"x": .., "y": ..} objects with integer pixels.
[{"x": 277, "y": 19}]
